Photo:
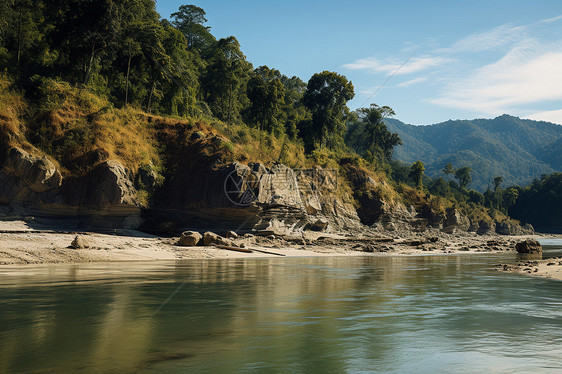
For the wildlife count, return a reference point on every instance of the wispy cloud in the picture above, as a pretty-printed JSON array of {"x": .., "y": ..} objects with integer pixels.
[
  {"x": 412, "y": 82},
  {"x": 491, "y": 39},
  {"x": 553, "y": 19},
  {"x": 529, "y": 73},
  {"x": 414, "y": 65},
  {"x": 554, "y": 116}
]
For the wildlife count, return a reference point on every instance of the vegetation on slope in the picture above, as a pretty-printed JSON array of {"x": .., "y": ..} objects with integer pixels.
[{"x": 90, "y": 80}]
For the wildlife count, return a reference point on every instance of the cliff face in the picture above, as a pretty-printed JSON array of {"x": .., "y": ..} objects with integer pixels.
[
  {"x": 205, "y": 193},
  {"x": 233, "y": 196},
  {"x": 33, "y": 186},
  {"x": 253, "y": 197}
]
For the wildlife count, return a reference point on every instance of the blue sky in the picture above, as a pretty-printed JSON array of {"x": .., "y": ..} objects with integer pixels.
[{"x": 441, "y": 59}]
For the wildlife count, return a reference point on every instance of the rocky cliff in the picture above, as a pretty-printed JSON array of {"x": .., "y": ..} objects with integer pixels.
[{"x": 202, "y": 191}]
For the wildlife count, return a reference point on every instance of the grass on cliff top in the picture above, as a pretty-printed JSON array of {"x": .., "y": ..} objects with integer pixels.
[{"x": 12, "y": 108}]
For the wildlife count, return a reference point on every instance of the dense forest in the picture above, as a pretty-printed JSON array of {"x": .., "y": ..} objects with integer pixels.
[{"x": 122, "y": 54}]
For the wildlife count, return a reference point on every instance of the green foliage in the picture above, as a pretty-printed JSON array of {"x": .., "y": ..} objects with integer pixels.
[
  {"x": 326, "y": 96},
  {"x": 368, "y": 135},
  {"x": 416, "y": 173},
  {"x": 189, "y": 19},
  {"x": 266, "y": 94},
  {"x": 517, "y": 149},
  {"x": 86, "y": 72},
  {"x": 448, "y": 169},
  {"x": 497, "y": 182},
  {"x": 540, "y": 204},
  {"x": 463, "y": 175}
]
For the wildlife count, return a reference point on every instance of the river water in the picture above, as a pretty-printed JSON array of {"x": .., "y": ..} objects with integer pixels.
[{"x": 423, "y": 314}]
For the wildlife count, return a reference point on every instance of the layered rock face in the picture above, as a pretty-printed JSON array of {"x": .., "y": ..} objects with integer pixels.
[
  {"x": 253, "y": 197},
  {"x": 204, "y": 194},
  {"x": 103, "y": 198}
]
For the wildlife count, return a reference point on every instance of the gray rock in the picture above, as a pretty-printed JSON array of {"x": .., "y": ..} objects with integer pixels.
[
  {"x": 231, "y": 235},
  {"x": 189, "y": 239},
  {"x": 528, "y": 246},
  {"x": 80, "y": 242},
  {"x": 210, "y": 238},
  {"x": 455, "y": 221},
  {"x": 486, "y": 228},
  {"x": 24, "y": 178},
  {"x": 108, "y": 184}
]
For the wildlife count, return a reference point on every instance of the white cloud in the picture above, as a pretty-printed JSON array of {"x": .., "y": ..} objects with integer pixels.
[
  {"x": 414, "y": 65},
  {"x": 412, "y": 82},
  {"x": 529, "y": 73},
  {"x": 492, "y": 39},
  {"x": 554, "y": 116},
  {"x": 553, "y": 19}
]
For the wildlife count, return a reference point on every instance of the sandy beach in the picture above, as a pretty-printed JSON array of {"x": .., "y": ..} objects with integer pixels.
[
  {"x": 550, "y": 268},
  {"x": 21, "y": 245}
]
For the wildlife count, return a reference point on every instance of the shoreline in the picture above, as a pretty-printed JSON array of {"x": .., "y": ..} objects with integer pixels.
[
  {"x": 21, "y": 246},
  {"x": 550, "y": 268}
]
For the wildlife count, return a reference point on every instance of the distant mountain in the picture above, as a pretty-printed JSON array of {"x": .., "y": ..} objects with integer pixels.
[{"x": 517, "y": 149}]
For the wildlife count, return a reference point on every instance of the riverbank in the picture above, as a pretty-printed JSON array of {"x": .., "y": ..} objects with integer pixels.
[
  {"x": 550, "y": 268},
  {"x": 20, "y": 245}
]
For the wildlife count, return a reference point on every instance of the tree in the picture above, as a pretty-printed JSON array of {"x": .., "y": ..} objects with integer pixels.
[
  {"x": 224, "y": 80},
  {"x": 326, "y": 96},
  {"x": 476, "y": 197},
  {"x": 510, "y": 197},
  {"x": 416, "y": 173},
  {"x": 497, "y": 182},
  {"x": 448, "y": 169},
  {"x": 266, "y": 94},
  {"x": 463, "y": 175},
  {"x": 189, "y": 19},
  {"x": 20, "y": 27},
  {"x": 376, "y": 135}
]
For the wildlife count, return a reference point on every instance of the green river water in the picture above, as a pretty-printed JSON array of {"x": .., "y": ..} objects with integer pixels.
[{"x": 423, "y": 314}]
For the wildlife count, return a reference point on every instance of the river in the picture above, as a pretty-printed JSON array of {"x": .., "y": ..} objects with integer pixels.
[{"x": 423, "y": 314}]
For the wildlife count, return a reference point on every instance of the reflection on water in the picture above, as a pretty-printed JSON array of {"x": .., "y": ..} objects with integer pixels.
[{"x": 319, "y": 315}]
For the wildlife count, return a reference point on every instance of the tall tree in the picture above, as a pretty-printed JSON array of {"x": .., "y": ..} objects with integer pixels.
[
  {"x": 190, "y": 20},
  {"x": 448, "y": 169},
  {"x": 416, "y": 173},
  {"x": 326, "y": 96},
  {"x": 224, "y": 79},
  {"x": 463, "y": 175},
  {"x": 266, "y": 94},
  {"x": 497, "y": 182},
  {"x": 376, "y": 137}
]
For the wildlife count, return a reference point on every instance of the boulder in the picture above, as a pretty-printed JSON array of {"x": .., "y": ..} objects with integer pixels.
[
  {"x": 25, "y": 178},
  {"x": 528, "y": 246},
  {"x": 210, "y": 238},
  {"x": 231, "y": 235},
  {"x": 80, "y": 242},
  {"x": 37, "y": 174},
  {"x": 189, "y": 239}
]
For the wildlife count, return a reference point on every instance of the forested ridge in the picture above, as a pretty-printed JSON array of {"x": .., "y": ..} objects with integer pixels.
[
  {"x": 519, "y": 150},
  {"x": 86, "y": 80}
]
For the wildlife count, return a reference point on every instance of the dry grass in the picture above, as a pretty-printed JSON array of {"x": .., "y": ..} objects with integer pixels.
[{"x": 12, "y": 108}]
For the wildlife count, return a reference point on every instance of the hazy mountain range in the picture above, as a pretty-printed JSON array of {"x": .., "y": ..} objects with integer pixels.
[{"x": 517, "y": 149}]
